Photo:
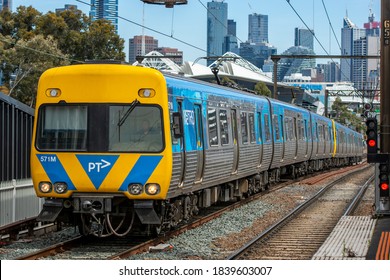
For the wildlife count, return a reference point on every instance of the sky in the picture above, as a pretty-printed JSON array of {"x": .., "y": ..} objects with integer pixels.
[{"x": 185, "y": 26}]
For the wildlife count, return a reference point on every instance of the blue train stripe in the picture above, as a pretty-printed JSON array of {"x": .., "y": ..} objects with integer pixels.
[
  {"x": 142, "y": 170},
  {"x": 54, "y": 170}
]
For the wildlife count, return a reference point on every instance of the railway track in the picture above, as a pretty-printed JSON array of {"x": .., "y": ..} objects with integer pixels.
[
  {"x": 300, "y": 234},
  {"x": 90, "y": 248}
]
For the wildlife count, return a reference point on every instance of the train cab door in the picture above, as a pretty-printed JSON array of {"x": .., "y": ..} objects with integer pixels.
[
  {"x": 233, "y": 114},
  {"x": 199, "y": 135}
]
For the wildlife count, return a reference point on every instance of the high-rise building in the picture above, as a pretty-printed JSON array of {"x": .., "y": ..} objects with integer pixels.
[
  {"x": 105, "y": 9},
  {"x": 68, "y": 7},
  {"x": 360, "y": 42},
  {"x": 304, "y": 38},
  {"x": 258, "y": 28},
  {"x": 232, "y": 27},
  {"x": 349, "y": 33},
  {"x": 141, "y": 45},
  {"x": 216, "y": 28},
  {"x": 177, "y": 56},
  {"x": 372, "y": 27},
  {"x": 6, "y": 4},
  {"x": 230, "y": 43},
  {"x": 258, "y": 53},
  {"x": 332, "y": 72}
]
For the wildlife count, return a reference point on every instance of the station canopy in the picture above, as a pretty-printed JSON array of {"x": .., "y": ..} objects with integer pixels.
[{"x": 229, "y": 65}]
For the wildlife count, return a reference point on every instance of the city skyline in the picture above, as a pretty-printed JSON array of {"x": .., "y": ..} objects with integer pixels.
[{"x": 167, "y": 26}]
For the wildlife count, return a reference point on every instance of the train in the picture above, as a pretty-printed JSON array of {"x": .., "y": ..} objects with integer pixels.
[{"x": 120, "y": 149}]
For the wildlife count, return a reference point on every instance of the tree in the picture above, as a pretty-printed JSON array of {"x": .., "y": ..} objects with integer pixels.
[
  {"x": 101, "y": 42},
  {"x": 345, "y": 116},
  {"x": 262, "y": 89},
  {"x": 31, "y": 42},
  {"x": 26, "y": 61}
]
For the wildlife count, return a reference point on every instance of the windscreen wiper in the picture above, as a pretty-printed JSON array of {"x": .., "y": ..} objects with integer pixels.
[{"x": 126, "y": 115}]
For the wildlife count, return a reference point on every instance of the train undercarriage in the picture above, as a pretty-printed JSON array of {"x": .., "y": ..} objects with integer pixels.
[{"x": 105, "y": 215}]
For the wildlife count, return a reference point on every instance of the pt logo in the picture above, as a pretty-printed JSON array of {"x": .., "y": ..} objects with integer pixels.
[{"x": 97, "y": 167}]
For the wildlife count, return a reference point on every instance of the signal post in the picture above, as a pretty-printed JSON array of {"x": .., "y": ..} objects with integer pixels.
[{"x": 378, "y": 148}]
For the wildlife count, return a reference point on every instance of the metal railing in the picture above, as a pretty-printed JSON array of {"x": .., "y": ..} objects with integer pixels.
[
  {"x": 17, "y": 197},
  {"x": 16, "y": 124},
  {"x": 18, "y": 201}
]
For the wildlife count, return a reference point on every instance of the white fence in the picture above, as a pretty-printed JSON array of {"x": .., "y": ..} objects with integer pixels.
[{"x": 18, "y": 201}]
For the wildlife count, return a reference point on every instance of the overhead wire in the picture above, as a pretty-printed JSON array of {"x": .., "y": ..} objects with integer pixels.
[
  {"x": 39, "y": 51},
  {"x": 312, "y": 32},
  {"x": 150, "y": 29},
  {"x": 330, "y": 24},
  {"x": 208, "y": 10}
]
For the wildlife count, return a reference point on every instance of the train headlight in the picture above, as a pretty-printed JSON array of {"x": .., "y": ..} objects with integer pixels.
[
  {"x": 135, "y": 189},
  {"x": 152, "y": 189},
  {"x": 60, "y": 187},
  {"x": 146, "y": 92},
  {"x": 45, "y": 187},
  {"x": 53, "y": 92}
]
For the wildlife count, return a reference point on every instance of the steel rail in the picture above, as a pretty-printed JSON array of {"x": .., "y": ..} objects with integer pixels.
[{"x": 290, "y": 215}]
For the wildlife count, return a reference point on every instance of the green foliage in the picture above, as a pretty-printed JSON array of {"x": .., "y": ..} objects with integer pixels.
[
  {"x": 26, "y": 61},
  {"x": 31, "y": 42},
  {"x": 345, "y": 116},
  {"x": 262, "y": 89}
]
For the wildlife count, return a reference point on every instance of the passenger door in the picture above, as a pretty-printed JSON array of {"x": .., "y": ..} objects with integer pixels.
[
  {"x": 199, "y": 142},
  {"x": 236, "y": 150}
]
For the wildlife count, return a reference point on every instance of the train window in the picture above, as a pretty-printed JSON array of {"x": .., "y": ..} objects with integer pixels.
[
  {"x": 62, "y": 127},
  {"x": 326, "y": 134},
  {"x": 292, "y": 129},
  {"x": 223, "y": 126},
  {"x": 299, "y": 127},
  {"x": 213, "y": 131},
  {"x": 307, "y": 130},
  {"x": 267, "y": 128},
  {"x": 289, "y": 128},
  {"x": 244, "y": 128},
  {"x": 198, "y": 126},
  {"x": 252, "y": 134},
  {"x": 275, "y": 120},
  {"x": 259, "y": 127},
  {"x": 135, "y": 129},
  {"x": 319, "y": 132},
  {"x": 286, "y": 128}
]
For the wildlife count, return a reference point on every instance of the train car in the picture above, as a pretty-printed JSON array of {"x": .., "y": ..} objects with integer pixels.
[
  {"x": 119, "y": 149},
  {"x": 292, "y": 140},
  {"x": 350, "y": 145}
]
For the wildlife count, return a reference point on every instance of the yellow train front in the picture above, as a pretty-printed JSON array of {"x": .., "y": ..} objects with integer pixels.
[{"x": 101, "y": 153}]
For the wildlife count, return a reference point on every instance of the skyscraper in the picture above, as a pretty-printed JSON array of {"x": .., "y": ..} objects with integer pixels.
[
  {"x": 304, "y": 38},
  {"x": 216, "y": 28},
  {"x": 349, "y": 33},
  {"x": 6, "y": 4},
  {"x": 141, "y": 45},
  {"x": 105, "y": 9},
  {"x": 230, "y": 43},
  {"x": 258, "y": 28}
]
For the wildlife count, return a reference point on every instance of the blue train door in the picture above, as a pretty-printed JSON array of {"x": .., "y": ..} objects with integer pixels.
[
  {"x": 199, "y": 142},
  {"x": 235, "y": 140}
]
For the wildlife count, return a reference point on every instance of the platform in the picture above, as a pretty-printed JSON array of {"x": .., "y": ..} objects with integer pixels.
[
  {"x": 349, "y": 240},
  {"x": 380, "y": 243}
]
